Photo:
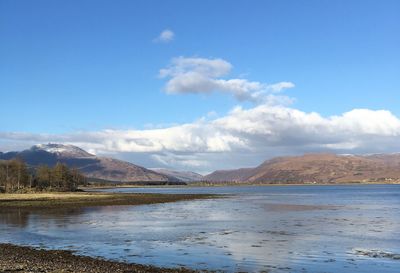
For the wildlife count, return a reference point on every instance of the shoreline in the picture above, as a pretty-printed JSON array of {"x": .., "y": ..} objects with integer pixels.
[
  {"x": 222, "y": 184},
  {"x": 14, "y": 258},
  {"x": 285, "y": 185},
  {"x": 54, "y": 200}
]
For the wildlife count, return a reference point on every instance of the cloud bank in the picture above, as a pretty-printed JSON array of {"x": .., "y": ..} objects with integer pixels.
[{"x": 243, "y": 137}]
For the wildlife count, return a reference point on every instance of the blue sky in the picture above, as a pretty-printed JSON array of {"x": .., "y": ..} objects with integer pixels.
[{"x": 76, "y": 67}]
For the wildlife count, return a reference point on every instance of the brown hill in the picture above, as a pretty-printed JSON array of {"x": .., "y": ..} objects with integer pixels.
[
  {"x": 238, "y": 175},
  {"x": 317, "y": 168},
  {"x": 95, "y": 167}
]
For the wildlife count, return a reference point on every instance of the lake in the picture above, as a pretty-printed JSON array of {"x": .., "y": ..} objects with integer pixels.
[{"x": 351, "y": 228}]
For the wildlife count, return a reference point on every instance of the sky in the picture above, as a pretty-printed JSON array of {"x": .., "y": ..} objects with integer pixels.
[{"x": 201, "y": 85}]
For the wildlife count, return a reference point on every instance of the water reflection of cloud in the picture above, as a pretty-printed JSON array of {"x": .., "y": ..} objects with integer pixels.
[{"x": 244, "y": 232}]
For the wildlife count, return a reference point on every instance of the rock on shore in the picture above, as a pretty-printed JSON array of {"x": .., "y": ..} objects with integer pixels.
[{"x": 26, "y": 259}]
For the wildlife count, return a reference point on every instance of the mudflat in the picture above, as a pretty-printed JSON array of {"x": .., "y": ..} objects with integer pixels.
[{"x": 90, "y": 199}]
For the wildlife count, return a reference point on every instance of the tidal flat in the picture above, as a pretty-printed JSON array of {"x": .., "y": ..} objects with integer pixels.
[{"x": 53, "y": 200}]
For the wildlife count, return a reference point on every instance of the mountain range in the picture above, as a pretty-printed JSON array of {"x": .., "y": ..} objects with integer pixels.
[
  {"x": 316, "y": 168},
  {"x": 309, "y": 168},
  {"x": 94, "y": 167}
]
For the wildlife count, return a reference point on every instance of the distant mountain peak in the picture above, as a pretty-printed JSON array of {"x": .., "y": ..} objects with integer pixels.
[{"x": 64, "y": 150}]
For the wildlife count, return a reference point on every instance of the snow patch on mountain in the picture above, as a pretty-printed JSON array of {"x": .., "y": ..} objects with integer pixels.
[{"x": 64, "y": 150}]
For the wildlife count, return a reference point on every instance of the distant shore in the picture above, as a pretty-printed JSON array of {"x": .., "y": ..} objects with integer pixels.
[
  {"x": 89, "y": 199},
  {"x": 26, "y": 259},
  {"x": 239, "y": 184},
  {"x": 232, "y": 184}
]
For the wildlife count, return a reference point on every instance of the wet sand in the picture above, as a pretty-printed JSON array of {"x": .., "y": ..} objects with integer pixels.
[
  {"x": 90, "y": 199},
  {"x": 26, "y": 259}
]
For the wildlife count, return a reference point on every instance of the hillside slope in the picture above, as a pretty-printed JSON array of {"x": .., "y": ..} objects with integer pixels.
[
  {"x": 317, "y": 168},
  {"x": 92, "y": 166},
  {"x": 184, "y": 176}
]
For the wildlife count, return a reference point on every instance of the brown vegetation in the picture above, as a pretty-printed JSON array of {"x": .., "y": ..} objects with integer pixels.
[
  {"x": 15, "y": 177},
  {"x": 317, "y": 168}
]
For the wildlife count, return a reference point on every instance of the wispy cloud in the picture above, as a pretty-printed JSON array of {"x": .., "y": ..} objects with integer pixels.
[
  {"x": 201, "y": 75},
  {"x": 165, "y": 36}
]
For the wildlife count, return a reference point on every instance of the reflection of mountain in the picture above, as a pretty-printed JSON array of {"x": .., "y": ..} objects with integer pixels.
[
  {"x": 101, "y": 168},
  {"x": 317, "y": 168}
]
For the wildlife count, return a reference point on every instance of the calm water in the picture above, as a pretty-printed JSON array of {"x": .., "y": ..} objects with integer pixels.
[{"x": 274, "y": 229}]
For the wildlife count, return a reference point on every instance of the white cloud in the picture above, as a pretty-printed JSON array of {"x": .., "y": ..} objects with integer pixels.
[
  {"x": 278, "y": 87},
  {"x": 165, "y": 36},
  {"x": 242, "y": 137},
  {"x": 200, "y": 75}
]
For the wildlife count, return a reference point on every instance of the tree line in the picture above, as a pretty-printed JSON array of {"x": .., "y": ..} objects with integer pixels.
[{"x": 15, "y": 176}]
